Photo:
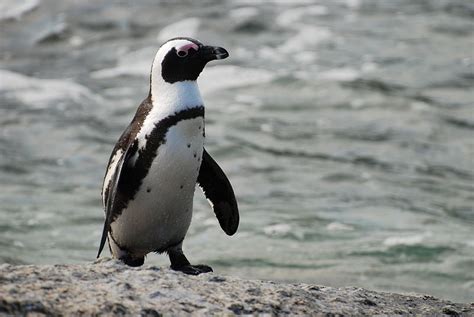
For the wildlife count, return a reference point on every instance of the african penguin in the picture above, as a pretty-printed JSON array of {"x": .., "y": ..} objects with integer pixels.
[{"x": 154, "y": 167}]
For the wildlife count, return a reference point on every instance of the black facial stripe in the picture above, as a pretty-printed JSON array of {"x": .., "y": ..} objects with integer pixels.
[{"x": 132, "y": 176}]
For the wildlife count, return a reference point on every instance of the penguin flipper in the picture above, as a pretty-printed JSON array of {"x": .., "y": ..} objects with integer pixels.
[
  {"x": 219, "y": 193},
  {"x": 112, "y": 193}
]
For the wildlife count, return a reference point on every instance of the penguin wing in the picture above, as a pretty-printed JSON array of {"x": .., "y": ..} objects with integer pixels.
[
  {"x": 128, "y": 144},
  {"x": 219, "y": 193},
  {"x": 110, "y": 199}
]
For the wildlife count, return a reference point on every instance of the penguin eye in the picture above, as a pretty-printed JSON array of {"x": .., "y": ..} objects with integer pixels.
[{"x": 182, "y": 53}]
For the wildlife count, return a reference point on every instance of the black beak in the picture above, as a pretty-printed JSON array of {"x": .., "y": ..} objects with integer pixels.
[{"x": 210, "y": 53}]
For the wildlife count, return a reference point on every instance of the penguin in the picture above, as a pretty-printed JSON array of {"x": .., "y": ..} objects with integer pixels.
[{"x": 153, "y": 170}]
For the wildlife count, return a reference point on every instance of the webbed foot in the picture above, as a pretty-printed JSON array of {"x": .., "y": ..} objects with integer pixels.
[
  {"x": 180, "y": 263},
  {"x": 193, "y": 269}
]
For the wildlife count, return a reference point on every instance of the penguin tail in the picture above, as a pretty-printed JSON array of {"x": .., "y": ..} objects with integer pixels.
[{"x": 102, "y": 240}]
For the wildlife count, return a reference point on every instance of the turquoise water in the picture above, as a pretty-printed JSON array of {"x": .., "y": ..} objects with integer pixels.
[{"x": 346, "y": 128}]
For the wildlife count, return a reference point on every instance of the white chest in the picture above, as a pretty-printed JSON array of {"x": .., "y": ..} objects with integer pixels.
[
  {"x": 161, "y": 211},
  {"x": 178, "y": 160}
]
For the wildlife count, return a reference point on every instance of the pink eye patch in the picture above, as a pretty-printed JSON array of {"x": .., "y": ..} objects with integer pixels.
[{"x": 185, "y": 48}]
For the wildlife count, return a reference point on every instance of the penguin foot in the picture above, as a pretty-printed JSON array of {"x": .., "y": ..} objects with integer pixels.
[
  {"x": 193, "y": 269},
  {"x": 132, "y": 261},
  {"x": 180, "y": 263}
]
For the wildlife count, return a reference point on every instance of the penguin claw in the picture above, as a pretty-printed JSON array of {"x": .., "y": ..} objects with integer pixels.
[
  {"x": 203, "y": 268},
  {"x": 193, "y": 269}
]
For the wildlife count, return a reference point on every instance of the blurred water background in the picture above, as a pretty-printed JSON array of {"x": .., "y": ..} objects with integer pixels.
[{"x": 346, "y": 128}]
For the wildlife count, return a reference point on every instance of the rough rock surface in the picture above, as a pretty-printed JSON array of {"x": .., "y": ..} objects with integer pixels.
[{"x": 109, "y": 288}]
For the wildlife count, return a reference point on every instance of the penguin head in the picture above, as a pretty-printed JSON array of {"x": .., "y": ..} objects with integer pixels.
[{"x": 183, "y": 59}]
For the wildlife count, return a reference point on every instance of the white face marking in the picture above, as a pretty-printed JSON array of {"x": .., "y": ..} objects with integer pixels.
[
  {"x": 157, "y": 81},
  {"x": 110, "y": 172}
]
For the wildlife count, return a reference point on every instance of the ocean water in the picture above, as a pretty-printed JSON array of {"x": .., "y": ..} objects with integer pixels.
[{"x": 345, "y": 127}]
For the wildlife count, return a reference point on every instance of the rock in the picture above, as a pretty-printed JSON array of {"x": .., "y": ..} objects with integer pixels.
[{"x": 108, "y": 287}]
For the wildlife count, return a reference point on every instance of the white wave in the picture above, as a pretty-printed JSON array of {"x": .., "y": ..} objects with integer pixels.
[
  {"x": 337, "y": 226},
  {"x": 353, "y": 4},
  {"x": 229, "y": 76},
  {"x": 187, "y": 28},
  {"x": 470, "y": 243},
  {"x": 339, "y": 74},
  {"x": 307, "y": 37},
  {"x": 76, "y": 41},
  {"x": 368, "y": 67},
  {"x": 139, "y": 69},
  {"x": 280, "y": 2},
  {"x": 41, "y": 92},
  {"x": 270, "y": 54},
  {"x": 277, "y": 229},
  {"x": 243, "y": 14},
  {"x": 136, "y": 63},
  {"x": 291, "y": 16},
  {"x": 210, "y": 222},
  {"x": 18, "y": 244},
  {"x": 248, "y": 100},
  {"x": 15, "y": 9},
  {"x": 50, "y": 30},
  {"x": 406, "y": 240}
]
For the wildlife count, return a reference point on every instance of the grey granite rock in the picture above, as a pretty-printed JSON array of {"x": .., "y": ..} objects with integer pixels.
[{"x": 108, "y": 287}]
